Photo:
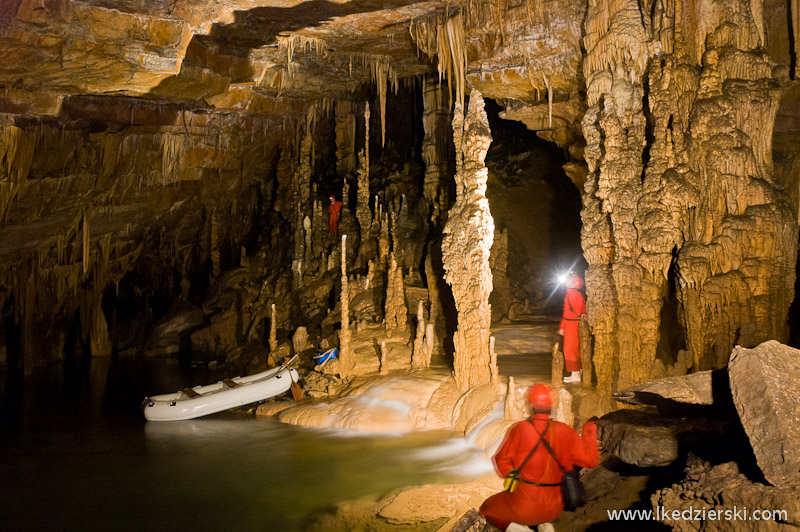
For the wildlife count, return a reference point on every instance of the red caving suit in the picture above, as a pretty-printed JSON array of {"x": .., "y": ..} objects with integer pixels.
[
  {"x": 333, "y": 216},
  {"x": 533, "y": 505},
  {"x": 574, "y": 306}
]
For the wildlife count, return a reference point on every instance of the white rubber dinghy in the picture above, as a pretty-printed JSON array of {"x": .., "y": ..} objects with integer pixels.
[{"x": 199, "y": 401}]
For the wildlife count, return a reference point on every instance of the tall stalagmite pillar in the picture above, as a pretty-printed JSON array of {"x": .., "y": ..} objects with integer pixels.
[
  {"x": 468, "y": 236},
  {"x": 363, "y": 214},
  {"x": 346, "y": 359},
  {"x": 624, "y": 300}
]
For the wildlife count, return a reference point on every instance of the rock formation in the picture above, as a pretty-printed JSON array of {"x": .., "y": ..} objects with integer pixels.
[
  {"x": 650, "y": 166},
  {"x": 763, "y": 381},
  {"x": 467, "y": 242}
]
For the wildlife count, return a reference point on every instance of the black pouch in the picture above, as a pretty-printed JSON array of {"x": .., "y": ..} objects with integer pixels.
[{"x": 572, "y": 490}]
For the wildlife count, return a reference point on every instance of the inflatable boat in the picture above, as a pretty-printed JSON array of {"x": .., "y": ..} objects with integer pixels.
[{"x": 199, "y": 401}]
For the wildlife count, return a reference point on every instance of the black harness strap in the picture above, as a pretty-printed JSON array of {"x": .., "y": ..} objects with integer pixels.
[{"x": 547, "y": 446}]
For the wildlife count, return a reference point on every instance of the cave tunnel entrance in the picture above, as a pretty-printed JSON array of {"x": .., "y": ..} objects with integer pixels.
[{"x": 532, "y": 198}]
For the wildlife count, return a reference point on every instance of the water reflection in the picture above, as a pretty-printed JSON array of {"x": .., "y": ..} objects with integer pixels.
[{"x": 76, "y": 454}]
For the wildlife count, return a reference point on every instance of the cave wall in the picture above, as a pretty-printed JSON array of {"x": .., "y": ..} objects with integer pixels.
[
  {"x": 87, "y": 201},
  {"x": 682, "y": 103}
]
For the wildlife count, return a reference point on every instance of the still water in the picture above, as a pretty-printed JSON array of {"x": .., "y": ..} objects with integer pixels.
[{"x": 77, "y": 455}]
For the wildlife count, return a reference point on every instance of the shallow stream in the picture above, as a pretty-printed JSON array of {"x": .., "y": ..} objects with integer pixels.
[{"x": 77, "y": 454}]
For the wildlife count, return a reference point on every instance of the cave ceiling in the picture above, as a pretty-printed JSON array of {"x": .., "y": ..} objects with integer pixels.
[{"x": 270, "y": 57}]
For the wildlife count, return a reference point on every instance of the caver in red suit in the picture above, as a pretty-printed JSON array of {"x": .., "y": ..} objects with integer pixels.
[
  {"x": 574, "y": 308},
  {"x": 333, "y": 215},
  {"x": 531, "y": 504}
]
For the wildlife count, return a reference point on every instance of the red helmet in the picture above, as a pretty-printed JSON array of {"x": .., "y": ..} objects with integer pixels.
[
  {"x": 333, "y": 198},
  {"x": 539, "y": 397},
  {"x": 576, "y": 282}
]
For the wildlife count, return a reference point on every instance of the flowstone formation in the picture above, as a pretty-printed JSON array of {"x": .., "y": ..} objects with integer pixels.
[
  {"x": 682, "y": 212},
  {"x": 466, "y": 246}
]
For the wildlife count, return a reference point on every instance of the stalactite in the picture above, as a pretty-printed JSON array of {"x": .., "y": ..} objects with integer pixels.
[
  {"x": 445, "y": 41},
  {"x": 381, "y": 75}
]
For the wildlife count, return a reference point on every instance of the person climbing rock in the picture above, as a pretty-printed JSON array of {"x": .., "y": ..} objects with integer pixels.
[
  {"x": 574, "y": 309},
  {"x": 334, "y": 210},
  {"x": 536, "y": 500}
]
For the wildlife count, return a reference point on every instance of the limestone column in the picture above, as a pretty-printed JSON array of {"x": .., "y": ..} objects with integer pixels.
[
  {"x": 301, "y": 191},
  {"x": 434, "y": 151},
  {"x": 363, "y": 214},
  {"x": 624, "y": 300},
  {"x": 346, "y": 359},
  {"x": 468, "y": 236}
]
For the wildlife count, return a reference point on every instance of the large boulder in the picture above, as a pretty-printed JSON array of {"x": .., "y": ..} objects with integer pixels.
[
  {"x": 645, "y": 438},
  {"x": 764, "y": 383},
  {"x": 695, "y": 389}
]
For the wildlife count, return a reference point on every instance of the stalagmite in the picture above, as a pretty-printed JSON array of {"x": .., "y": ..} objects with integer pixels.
[
  {"x": 300, "y": 340},
  {"x": 346, "y": 359},
  {"x": 562, "y": 407},
  {"x": 99, "y": 341},
  {"x": 585, "y": 335},
  {"x": 273, "y": 330},
  {"x": 383, "y": 241},
  {"x": 512, "y": 411},
  {"x": 431, "y": 279},
  {"x": 396, "y": 311},
  {"x": 417, "y": 354},
  {"x": 363, "y": 214},
  {"x": 557, "y": 368},
  {"x": 384, "y": 369},
  {"x": 493, "y": 362},
  {"x": 429, "y": 342},
  {"x": 308, "y": 237},
  {"x": 466, "y": 246},
  {"x": 215, "y": 257}
]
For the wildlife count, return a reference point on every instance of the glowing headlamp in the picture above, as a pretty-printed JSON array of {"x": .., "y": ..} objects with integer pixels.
[{"x": 563, "y": 278}]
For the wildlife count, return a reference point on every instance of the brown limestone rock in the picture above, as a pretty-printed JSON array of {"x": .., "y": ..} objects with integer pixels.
[
  {"x": 764, "y": 385},
  {"x": 692, "y": 389},
  {"x": 723, "y": 488},
  {"x": 646, "y": 439}
]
